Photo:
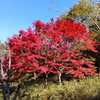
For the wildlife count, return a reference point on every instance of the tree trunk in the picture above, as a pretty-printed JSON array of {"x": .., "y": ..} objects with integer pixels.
[
  {"x": 45, "y": 80},
  {"x": 60, "y": 79},
  {"x": 19, "y": 86},
  {"x": 8, "y": 90}
]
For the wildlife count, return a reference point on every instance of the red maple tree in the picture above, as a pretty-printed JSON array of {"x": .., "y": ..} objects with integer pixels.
[{"x": 51, "y": 48}]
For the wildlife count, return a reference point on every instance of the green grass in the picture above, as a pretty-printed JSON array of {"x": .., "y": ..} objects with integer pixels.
[{"x": 85, "y": 89}]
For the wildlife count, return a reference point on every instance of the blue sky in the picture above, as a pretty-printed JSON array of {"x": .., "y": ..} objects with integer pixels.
[{"x": 19, "y": 14}]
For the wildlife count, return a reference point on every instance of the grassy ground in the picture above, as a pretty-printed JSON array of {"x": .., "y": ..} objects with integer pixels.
[{"x": 86, "y": 89}]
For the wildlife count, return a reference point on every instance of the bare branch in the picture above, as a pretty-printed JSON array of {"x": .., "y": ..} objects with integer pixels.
[
  {"x": 90, "y": 17},
  {"x": 56, "y": 10},
  {"x": 92, "y": 2}
]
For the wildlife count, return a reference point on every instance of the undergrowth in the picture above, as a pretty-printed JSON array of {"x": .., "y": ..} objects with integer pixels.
[{"x": 85, "y": 89}]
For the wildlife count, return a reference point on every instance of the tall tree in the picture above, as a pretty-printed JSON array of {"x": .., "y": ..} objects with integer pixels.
[{"x": 51, "y": 48}]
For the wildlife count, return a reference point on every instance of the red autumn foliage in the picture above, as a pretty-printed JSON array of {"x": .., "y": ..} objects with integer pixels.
[{"x": 51, "y": 47}]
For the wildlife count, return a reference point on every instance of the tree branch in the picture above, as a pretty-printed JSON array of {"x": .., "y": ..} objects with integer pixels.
[
  {"x": 90, "y": 17},
  {"x": 19, "y": 86}
]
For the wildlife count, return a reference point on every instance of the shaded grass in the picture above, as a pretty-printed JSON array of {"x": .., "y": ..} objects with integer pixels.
[{"x": 86, "y": 89}]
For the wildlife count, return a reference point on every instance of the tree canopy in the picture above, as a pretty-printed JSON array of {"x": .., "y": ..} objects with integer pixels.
[{"x": 51, "y": 48}]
